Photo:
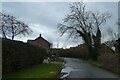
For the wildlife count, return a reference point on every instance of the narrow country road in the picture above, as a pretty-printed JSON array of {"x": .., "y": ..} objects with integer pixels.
[{"x": 81, "y": 69}]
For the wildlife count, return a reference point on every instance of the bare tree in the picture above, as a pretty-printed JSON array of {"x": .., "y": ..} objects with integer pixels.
[
  {"x": 113, "y": 34},
  {"x": 81, "y": 23},
  {"x": 12, "y": 27},
  {"x": 114, "y": 37},
  {"x": 118, "y": 41}
]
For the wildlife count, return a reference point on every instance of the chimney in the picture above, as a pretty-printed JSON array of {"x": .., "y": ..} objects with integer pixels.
[{"x": 40, "y": 35}]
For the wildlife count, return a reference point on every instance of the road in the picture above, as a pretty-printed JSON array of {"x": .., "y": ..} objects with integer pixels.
[{"x": 81, "y": 69}]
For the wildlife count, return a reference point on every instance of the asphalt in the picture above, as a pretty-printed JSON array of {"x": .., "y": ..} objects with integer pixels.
[{"x": 80, "y": 69}]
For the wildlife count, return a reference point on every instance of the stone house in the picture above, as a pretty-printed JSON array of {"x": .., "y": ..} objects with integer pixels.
[{"x": 41, "y": 42}]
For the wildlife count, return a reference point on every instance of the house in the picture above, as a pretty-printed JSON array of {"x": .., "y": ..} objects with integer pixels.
[
  {"x": 41, "y": 42},
  {"x": 82, "y": 46}
]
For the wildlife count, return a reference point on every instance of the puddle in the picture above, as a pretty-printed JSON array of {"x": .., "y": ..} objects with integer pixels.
[{"x": 67, "y": 70}]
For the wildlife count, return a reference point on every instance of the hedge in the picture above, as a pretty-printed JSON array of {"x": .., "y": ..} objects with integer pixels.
[
  {"x": 110, "y": 61},
  {"x": 74, "y": 53},
  {"x": 17, "y": 55}
]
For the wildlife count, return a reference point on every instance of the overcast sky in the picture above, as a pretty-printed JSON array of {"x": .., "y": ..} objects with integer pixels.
[{"x": 43, "y": 17}]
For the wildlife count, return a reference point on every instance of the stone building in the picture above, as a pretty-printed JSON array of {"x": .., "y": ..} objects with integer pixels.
[{"x": 41, "y": 42}]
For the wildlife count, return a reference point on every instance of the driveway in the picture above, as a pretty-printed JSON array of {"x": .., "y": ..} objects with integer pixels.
[{"x": 80, "y": 69}]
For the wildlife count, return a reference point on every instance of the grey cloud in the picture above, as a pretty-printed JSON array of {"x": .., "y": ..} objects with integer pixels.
[{"x": 48, "y": 14}]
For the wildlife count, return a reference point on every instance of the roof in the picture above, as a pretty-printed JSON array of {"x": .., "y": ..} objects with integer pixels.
[
  {"x": 42, "y": 38},
  {"x": 82, "y": 45},
  {"x": 112, "y": 49},
  {"x": 38, "y": 38},
  {"x": 111, "y": 44}
]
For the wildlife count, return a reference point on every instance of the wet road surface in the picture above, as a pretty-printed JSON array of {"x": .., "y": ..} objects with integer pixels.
[{"x": 81, "y": 69}]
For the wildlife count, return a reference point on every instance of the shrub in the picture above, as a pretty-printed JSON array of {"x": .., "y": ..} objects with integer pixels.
[{"x": 17, "y": 55}]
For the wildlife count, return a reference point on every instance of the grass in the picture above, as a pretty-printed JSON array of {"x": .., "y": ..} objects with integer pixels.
[
  {"x": 96, "y": 63},
  {"x": 100, "y": 65},
  {"x": 56, "y": 59},
  {"x": 38, "y": 71}
]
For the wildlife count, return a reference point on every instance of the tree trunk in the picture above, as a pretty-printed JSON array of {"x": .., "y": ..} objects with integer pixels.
[
  {"x": 12, "y": 37},
  {"x": 4, "y": 35}
]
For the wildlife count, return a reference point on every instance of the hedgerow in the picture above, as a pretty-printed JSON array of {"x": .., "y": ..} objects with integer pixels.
[{"x": 17, "y": 55}]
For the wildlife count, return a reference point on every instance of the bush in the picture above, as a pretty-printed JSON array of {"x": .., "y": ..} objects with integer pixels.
[{"x": 17, "y": 55}]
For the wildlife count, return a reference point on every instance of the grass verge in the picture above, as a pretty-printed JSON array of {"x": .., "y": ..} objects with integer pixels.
[
  {"x": 100, "y": 65},
  {"x": 95, "y": 63},
  {"x": 38, "y": 71},
  {"x": 56, "y": 59}
]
